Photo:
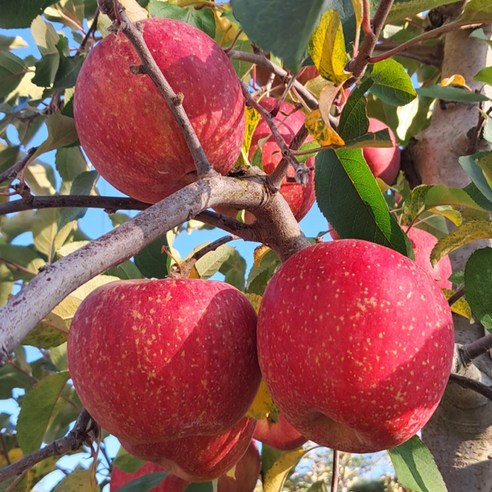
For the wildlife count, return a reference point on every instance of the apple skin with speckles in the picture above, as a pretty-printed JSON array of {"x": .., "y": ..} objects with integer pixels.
[
  {"x": 279, "y": 435},
  {"x": 288, "y": 120},
  {"x": 125, "y": 125},
  {"x": 246, "y": 473},
  {"x": 383, "y": 161},
  {"x": 355, "y": 343},
  {"x": 168, "y": 364},
  {"x": 422, "y": 243}
]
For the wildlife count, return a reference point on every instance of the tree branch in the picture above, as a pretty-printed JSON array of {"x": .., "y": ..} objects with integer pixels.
[
  {"x": 468, "y": 383},
  {"x": 71, "y": 442},
  {"x": 174, "y": 101},
  {"x": 276, "y": 227},
  {"x": 470, "y": 351},
  {"x": 13, "y": 172}
]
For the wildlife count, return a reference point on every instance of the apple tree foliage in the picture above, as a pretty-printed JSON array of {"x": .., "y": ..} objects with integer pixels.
[{"x": 41, "y": 162}]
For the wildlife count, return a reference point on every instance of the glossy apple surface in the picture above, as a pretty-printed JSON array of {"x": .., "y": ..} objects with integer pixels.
[
  {"x": 355, "y": 344},
  {"x": 288, "y": 120},
  {"x": 161, "y": 361},
  {"x": 126, "y": 127},
  {"x": 279, "y": 435},
  {"x": 383, "y": 161},
  {"x": 422, "y": 243}
]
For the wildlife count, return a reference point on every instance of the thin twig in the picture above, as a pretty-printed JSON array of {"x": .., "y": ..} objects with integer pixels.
[
  {"x": 90, "y": 31},
  {"x": 13, "y": 172},
  {"x": 468, "y": 383},
  {"x": 434, "y": 33},
  {"x": 475, "y": 349},
  {"x": 173, "y": 100},
  {"x": 82, "y": 431},
  {"x": 263, "y": 61},
  {"x": 456, "y": 296},
  {"x": 301, "y": 170},
  {"x": 335, "y": 470},
  {"x": 358, "y": 64}
]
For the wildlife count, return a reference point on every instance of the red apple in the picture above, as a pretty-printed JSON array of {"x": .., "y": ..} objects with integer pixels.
[
  {"x": 126, "y": 127},
  {"x": 159, "y": 363},
  {"x": 288, "y": 121},
  {"x": 383, "y": 161},
  {"x": 423, "y": 242},
  {"x": 279, "y": 435},
  {"x": 245, "y": 478},
  {"x": 355, "y": 344}
]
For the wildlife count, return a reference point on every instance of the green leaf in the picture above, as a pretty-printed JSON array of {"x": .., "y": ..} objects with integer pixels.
[
  {"x": 392, "y": 84},
  {"x": 24, "y": 256},
  {"x": 11, "y": 377},
  {"x": 477, "y": 10},
  {"x": 12, "y": 70},
  {"x": 126, "y": 270},
  {"x": 487, "y": 131},
  {"x": 478, "y": 285},
  {"x": 8, "y": 157},
  {"x": 21, "y": 12},
  {"x": 83, "y": 184},
  {"x": 203, "y": 19},
  {"x": 37, "y": 410},
  {"x": 351, "y": 201},
  {"x": 200, "y": 487},
  {"x": 40, "y": 178},
  {"x": 45, "y": 36},
  {"x": 353, "y": 120},
  {"x": 327, "y": 48},
  {"x": 12, "y": 42},
  {"x": 211, "y": 263},
  {"x": 70, "y": 162},
  {"x": 17, "y": 224},
  {"x": 485, "y": 75},
  {"x": 452, "y": 94},
  {"x": 6, "y": 284},
  {"x": 61, "y": 132},
  {"x": 415, "y": 467},
  {"x": 45, "y": 229},
  {"x": 126, "y": 461},
  {"x": 143, "y": 484},
  {"x": 473, "y": 169},
  {"x": 474, "y": 193},
  {"x": 234, "y": 270},
  {"x": 79, "y": 480},
  {"x": 259, "y": 275},
  {"x": 284, "y": 27},
  {"x": 426, "y": 197},
  {"x": 469, "y": 231},
  {"x": 152, "y": 261},
  {"x": 68, "y": 69}
]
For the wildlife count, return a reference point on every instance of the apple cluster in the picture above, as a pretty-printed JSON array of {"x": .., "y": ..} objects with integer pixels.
[{"x": 353, "y": 339}]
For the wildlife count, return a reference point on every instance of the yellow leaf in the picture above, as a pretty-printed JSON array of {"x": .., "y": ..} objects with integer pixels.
[
  {"x": 326, "y": 98},
  {"x": 358, "y": 11},
  {"x": 324, "y": 134},
  {"x": 327, "y": 48},
  {"x": 460, "y": 307},
  {"x": 259, "y": 253},
  {"x": 255, "y": 300},
  {"x": 455, "y": 80},
  {"x": 262, "y": 405},
  {"x": 252, "y": 118},
  {"x": 78, "y": 480},
  {"x": 277, "y": 474}
]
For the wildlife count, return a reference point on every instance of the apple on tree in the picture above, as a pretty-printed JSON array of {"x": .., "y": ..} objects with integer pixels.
[
  {"x": 355, "y": 342},
  {"x": 383, "y": 161},
  {"x": 126, "y": 127},
  {"x": 244, "y": 479},
  {"x": 170, "y": 368},
  {"x": 279, "y": 434}
]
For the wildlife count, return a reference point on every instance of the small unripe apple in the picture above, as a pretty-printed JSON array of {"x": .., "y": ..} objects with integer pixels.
[
  {"x": 279, "y": 435},
  {"x": 161, "y": 362},
  {"x": 355, "y": 343},
  {"x": 125, "y": 125},
  {"x": 383, "y": 161},
  {"x": 422, "y": 243},
  {"x": 288, "y": 121},
  {"x": 245, "y": 477}
]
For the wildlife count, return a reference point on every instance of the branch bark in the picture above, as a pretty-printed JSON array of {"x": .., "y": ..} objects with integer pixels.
[{"x": 275, "y": 226}]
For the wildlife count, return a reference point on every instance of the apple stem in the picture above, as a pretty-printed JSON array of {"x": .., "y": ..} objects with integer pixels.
[
  {"x": 335, "y": 470},
  {"x": 85, "y": 430}
]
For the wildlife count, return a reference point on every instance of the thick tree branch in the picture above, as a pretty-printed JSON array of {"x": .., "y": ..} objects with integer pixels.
[
  {"x": 276, "y": 226},
  {"x": 470, "y": 351},
  {"x": 82, "y": 432},
  {"x": 174, "y": 101}
]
